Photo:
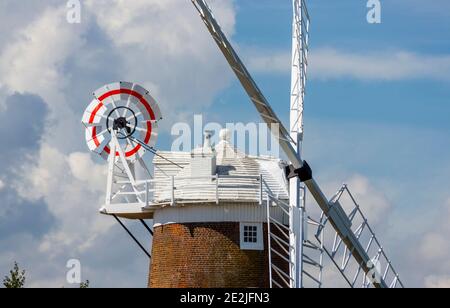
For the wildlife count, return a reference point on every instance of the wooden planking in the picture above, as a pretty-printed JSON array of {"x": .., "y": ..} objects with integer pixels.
[
  {"x": 230, "y": 162},
  {"x": 225, "y": 212}
]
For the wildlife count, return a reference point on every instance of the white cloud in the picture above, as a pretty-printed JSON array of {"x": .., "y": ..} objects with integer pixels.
[
  {"x": 160, "y": 44},
  {"x": 435, "y": 247},
  {"x": 417, "y": 205},
  {"x": 397, "y": 65},
  {"x": 34, "y": 62},
  {"x": 268, "y": 62},
  {"x": 371, "y": 199},
  {"x": 373, "y": 203},
  {"x": 331, "y": 277},
  {"x": 2, "y": 184},
  {"x": 330, "y": 63},
  {"x": 434, "y": 251},
  {"x": 86, "y": 170},
  {"x": 166, "y": 47},
  {"x": 67, "y": 184},
  {"x": 442, "y": 282},
  {"x": 129, "y": 23},
  {"x": 28, "y": 10}
]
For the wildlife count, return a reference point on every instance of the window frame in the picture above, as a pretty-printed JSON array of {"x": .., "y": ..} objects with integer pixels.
[{"x": 259, "y": 244}]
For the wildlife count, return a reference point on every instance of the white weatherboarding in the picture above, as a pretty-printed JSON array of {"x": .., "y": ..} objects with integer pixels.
[{"x": 121, "y": 125}]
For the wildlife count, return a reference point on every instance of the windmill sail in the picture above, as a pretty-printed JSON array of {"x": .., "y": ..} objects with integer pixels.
[{"x": 334, "y": 212}]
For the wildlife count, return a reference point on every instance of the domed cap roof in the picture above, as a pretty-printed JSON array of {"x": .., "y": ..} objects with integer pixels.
[{"x": 239, "y": 176}]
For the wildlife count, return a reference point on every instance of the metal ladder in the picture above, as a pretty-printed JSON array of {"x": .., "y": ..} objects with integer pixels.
[
  {"x": 280, "y": 251},
  {"x": 325, "y": 241},
  {"x": 334, "y": 246}
]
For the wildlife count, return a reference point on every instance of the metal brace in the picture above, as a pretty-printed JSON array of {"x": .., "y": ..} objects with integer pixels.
[{"x": 304, "y": 173}]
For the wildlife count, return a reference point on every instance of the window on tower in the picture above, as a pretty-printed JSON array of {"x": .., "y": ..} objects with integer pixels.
[{"x": 251, "y": 236}]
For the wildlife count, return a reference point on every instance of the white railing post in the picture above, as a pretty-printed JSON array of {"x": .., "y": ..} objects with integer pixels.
[
  {"x": 146, "y": 194},
  {"x": 172, "y": 195},
  {"x": 260, "y": 189},
  {"x": 217, "y": 188},
  {"x": 111, "y": 167},
  {"x": 269, "y": 244}
]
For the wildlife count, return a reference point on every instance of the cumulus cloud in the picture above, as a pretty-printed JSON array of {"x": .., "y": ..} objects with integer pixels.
[
  {"x": 166, "y": 47},
  {"x": 22, "y": 221},
  {"x": 34, "y": 62},
  {"x": 375, "y": 205},
  {"x": 434, "y": 245},
  {"x": 160, "y": 44},
  {"x": 154, "y": 43},
  {"x": 268, "y": 61},
  {"x": 84, "y": 169},
  {"x": 70, "y": 196},
  {"x": 407, "y": 214},
  {"x": 442, "y": 282},
  {"x": 20, "y": 216},
  {"x": 434, "y": 251},
  {"x": 330, "y": 63},
  {"x": 373, "y": 202},
  {"x": 22, "y": 122},
  {"x": 28, "y": 10}
]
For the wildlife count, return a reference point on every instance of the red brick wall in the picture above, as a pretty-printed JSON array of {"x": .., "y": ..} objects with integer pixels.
[{"x": 205, "y": 255}]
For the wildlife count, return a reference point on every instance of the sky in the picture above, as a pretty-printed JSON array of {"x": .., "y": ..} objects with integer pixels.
[{"x": 377, "y": 117}]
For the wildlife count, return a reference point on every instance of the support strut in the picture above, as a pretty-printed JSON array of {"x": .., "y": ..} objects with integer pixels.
[{"x": 132, "y": 236}]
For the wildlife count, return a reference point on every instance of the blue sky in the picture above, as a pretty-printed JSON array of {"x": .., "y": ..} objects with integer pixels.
[
  {"x": 410, "y": 113},
  {"x": 393, "y": 130},
  {"x": 377, "y": 116}
]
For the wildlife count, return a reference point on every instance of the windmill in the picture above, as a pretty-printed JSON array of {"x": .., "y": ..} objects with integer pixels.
[{"x": 222, "y": 218}]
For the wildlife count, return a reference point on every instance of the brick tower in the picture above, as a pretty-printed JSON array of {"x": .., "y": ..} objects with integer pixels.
[{"x": 210, "y": 222}]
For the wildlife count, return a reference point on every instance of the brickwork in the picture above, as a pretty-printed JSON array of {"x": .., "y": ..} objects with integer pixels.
[{"x": 205, "y": 255}]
